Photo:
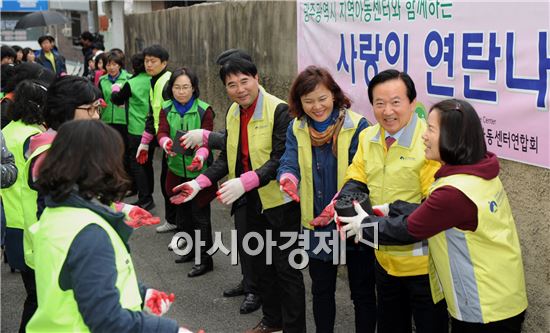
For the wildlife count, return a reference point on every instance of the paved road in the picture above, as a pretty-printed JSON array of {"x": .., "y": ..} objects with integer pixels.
[{"x": 199, "y": 301}]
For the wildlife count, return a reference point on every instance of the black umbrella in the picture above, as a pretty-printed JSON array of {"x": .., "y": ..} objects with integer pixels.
[{"x": 40, "y": 19}]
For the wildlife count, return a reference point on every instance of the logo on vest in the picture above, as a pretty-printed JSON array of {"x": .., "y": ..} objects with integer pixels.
[
  {"x": 407, "y": 158},
  {"x": 493, "y": 207}
]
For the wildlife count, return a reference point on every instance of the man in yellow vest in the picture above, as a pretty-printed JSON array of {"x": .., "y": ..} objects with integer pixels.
[
  {"x": 256, "y": 125},
  {"x": 390, "y": 161}
]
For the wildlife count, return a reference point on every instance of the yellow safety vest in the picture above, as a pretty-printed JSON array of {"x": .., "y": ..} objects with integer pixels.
[
  {"x": 16, "y": 133},
  {"x": 400, "y": 173},
  {"x": 301, "y": 132},
  {"x": 52, "y": 237},
  {"x": 155, "y": 97},
  {"x": 481, "y": 271},
  {"x": 260, "y": 131}
]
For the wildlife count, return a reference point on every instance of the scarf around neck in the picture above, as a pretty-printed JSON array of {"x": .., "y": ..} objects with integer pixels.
[{"x": 330, "y": 133}]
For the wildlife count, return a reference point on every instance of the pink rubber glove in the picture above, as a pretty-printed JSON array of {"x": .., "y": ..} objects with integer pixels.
[
  {"x": 166, "y": 143},
  {"x": 234, "y": 188},
  {"x": 289, "y": 185},
  {"x": 198, "y": 161},
  {"x": 189, "y": 189},
  {"x": 142, "y": 153},
  {"x": 157, "y": 302},
  {"x": 115, "y": 88},
  {"x": 136, "y": 216}
]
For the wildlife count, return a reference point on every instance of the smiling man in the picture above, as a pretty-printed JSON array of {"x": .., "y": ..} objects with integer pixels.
[
  {"x": 390, "y": 161},
  {"x": 256, "y": 126}
]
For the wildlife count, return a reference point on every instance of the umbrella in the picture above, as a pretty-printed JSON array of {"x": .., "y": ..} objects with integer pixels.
[{"x": 40, "y": 19}]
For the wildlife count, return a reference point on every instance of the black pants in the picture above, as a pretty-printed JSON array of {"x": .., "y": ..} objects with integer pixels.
[
  {"x": 31, "y": 303},
  {"x": 360, "y": 265},
  {"x": 123, "y": 131},
  {"x": 282, "y": 286},
  {"x": 190, "y": 217},
  {"x": 170, "y": 210},
  {"x": 510, "y": 325},
  {"x": 142, "y": 174},
  {"x": 398, "y": 297}
]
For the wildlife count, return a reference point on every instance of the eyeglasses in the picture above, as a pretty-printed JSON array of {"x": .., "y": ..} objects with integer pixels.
[
  {"x": 93, "y": 108},
  {"x": 182, "y": 88}
]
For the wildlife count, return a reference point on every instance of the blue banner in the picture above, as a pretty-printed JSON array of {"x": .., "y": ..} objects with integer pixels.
[{"x": 23, "y": 5}]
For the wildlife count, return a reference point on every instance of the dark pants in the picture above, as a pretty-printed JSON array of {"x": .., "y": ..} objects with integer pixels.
[
  {"x": 123, "y": 131},
  {"x": 510, "y": 325},
  {"x": 398, "y": 297},
  {"x": 31, "y": 303},
  {"x": 142, "y": 174},
  {"x": 170, "y": 210},
  {"x": 360, "y": 265},
  {"x": 282, "y": 286}
]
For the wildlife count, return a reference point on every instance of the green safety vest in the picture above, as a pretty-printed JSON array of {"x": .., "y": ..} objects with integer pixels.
[
  {"x": 155, "y": 97},
  {"x": 30, "y": 196},
  {"x": 191, "y": 120},
  {"x": 16, "y": 133},
  {"x": 52, "y": 237},
  {"x": 113, "y": 114},
  {"x": 301, "y": 132},
  {"x": 260, "y": 131},
  {"x": 138, "y": 104},
  {"x": 479, "y": 272}
]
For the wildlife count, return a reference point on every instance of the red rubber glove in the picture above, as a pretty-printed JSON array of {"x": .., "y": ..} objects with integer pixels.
[
  {"x": 381, "y": 210},
  {"x": 326, "y": 216},
  {"x": 289, "y": 185},
  {"x": 158, "y": 302},
  {"x": 166, "y": 143},
  {"x": 136, "y": 216},
  {"x": 188, "y": 191},
  {"x": 198, "y": 161},
  {"x": 142, "y": 154}
]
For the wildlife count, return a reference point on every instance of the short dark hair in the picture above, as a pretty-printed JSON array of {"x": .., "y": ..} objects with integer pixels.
[
  {"x": 86, "y": 35},
  {"x": 392, "y": 74},
  {"x": 167, "y": 93},
  {"x": 17, "y": 48},
  {"x": 98, "y": 45},
  {"x": 29, "y": 70},
  {"x": 7, "y": 72},
  {"x": 461, "y": 139},
  {"x": 138, "y": 64},
  {"x": 156, "y": 51},
  {"x": 237, "y": 65},
  {"x": 26, "y": 52},
  {"x": 115, "y": 57},
  {"x": 307, "y": 81},
  {"x": 86, "y": 155},
  {"x": 232, "y": 53},
  {"x": 65, "y": 94},
  {"x": 45, "y": 37},
  {"x": 30, "y": 96},
  {"x": 7, "y": 52}
]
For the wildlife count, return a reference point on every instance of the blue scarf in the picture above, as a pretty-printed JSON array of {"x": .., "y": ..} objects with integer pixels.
[
  {"x": 183, "y": 108},
  {"x": 113, "y": 79}
]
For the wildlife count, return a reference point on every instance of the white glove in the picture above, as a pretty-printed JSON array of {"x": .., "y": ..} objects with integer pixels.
[
  {"x": 381, "y": 210},
  {"x": 167, "y": 146},
  {"x": 184, "y": 330},
  {"x": 230, "y": 191},
  {"x": 192, "y": 138},
  {"x": 142, "y": 147},
  {"x": 188, "y": 191},
  {"x": 157, "y": 302},
  {"x": 353, "y": 226}
]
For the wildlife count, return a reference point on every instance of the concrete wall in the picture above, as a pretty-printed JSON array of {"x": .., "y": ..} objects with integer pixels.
[{"x": 195, "y": 35}]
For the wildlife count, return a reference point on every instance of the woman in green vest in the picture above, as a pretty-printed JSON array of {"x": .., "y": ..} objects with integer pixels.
[
  {"x": 474, "y": 250},
  {"x": 27, "y": 121},
  {"x": 85, "y": 277},
  {"x": 184, "y": 112},
  {"x": 320, "y": 144}
]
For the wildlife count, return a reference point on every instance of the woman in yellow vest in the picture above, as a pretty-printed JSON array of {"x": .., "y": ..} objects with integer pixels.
[
  {"x": 320, "y": 143},
  {"x": 474, "y": 248},
  {"x": 85, "y": 277},
  {"x": 183, "y": 112}
]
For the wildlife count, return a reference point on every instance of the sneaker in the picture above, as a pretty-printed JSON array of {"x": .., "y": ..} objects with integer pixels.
[{"x": 166, "y": 227}]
